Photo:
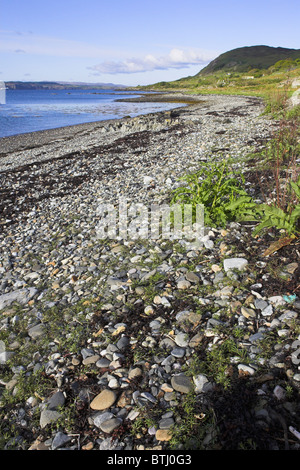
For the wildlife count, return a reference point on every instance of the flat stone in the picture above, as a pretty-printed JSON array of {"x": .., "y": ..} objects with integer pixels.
[
  {"x": 36, "y": 331},
  {"x": 268, "y": 311},
  {"x": 104, "y": 400},
  {"x": 21, "y": 296},
  {"x": 166, "y": 423},
  {"x": 149, "y": 310},
  {"x": 196, "y": 340},
  {"x": 178, "y": 352},
  {"x": 182, "y": 383},
  {"x": 260, "y": 304},
  {"x": 234, "y": 263},
  {"x": 188, "y": 316},
  {"x": 182, "y": 340},
  {"x": 288, "y": 316},
  {"x": 99, "y": 418},
  {"x": 111, "y": 424},
  {"x": 90, "y": 359},
  {"x": 256, "y": 337},
  {"x": 192, "y": 277},
  {"x": 248, "y": 312},
  {"x": 103, "y": 363},
  {"x": 163, "y": 435},
  {"x": 38, "y": 445},
  {"x": 48, "y": 416},
  {"x": 167, "y": 388}
]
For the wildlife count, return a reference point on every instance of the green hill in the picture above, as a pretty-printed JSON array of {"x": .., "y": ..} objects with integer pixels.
[
  {"x": 268, "y": 72},
  {"x": 244, "y": 59}
]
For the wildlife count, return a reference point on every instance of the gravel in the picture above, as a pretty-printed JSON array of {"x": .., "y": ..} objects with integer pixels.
[{"x": 105, "y": 341}]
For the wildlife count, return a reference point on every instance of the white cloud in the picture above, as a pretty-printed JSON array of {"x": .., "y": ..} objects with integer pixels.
[{"x": 176, "y": 59}]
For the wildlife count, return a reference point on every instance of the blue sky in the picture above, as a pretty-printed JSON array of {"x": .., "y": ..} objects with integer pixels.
[{"x": 134, "y": 42}]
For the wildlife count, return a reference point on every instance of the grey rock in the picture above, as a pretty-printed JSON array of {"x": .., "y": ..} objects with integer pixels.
[
  {"x": 109, "y": 425},
  {"x": 36, "y": 331},
  {"x": 260, "y": 304},
  {"x": 268, "y": 311},
  {"x": 288, "y": 316},
  {"x": 86, "y": 352},
  {"x": 202, "y": 384},
  {"x": 192, "y": 277},
  {"x": 59, "y": 440},
  {"x": 110, "y": 444},
  {"x": 21, "y": 296},
  {"x": 5, "y": 356},
  {"x": 123, "y": 343},
  {"x": 48, "y": 416},
  {"x": 181, "y": 339},
  {"x": 256, "y": 337},
  {"x": 178, "y": 352},
  {"x": 182, "y": 383},
  {"x": 102, "y": 363},
  {"x": 166, "y": 423},
  {"x": 101, "y": 417},
  {"x": 56, "y": 400}
]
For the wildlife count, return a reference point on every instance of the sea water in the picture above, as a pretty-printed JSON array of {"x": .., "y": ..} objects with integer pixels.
[{"x": 35, "y": 110}]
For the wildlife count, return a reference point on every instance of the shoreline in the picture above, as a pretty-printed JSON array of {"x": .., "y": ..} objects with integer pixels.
[
  {"x": 122, "y": 143},
  {"x": 22, "y": 141},
  {"x": 31, "y": 140}
]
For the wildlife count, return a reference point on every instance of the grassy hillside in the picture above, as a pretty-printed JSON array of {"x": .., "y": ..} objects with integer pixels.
[
  {"x": 244, "y": 59},
  {"x": 275, "y": 84}
]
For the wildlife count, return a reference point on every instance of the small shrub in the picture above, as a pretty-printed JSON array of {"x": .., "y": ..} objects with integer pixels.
[{"x": 281, "y": 209}]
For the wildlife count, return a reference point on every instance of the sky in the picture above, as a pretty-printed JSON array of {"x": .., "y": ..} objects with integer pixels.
[{"x": 134, "y": 42}]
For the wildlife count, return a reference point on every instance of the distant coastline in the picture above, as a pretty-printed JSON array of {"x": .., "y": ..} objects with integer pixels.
[{"x": 45, "y": 85}]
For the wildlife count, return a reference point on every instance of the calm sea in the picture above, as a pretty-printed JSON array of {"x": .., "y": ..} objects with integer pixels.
[{"x": 36, "y": 110}]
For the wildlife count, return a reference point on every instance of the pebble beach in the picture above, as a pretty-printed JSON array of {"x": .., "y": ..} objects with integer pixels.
[{"x": 105, "y": 342}]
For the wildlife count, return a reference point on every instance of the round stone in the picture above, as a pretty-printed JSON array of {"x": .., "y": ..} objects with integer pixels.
[
  {"x": 90, "y": 359},
  {"x": 149, "y": 310},
  {"x": 135, "y": 372},
  {"x": 104, "y": 400},
  {"x": 183, "y": 284}
]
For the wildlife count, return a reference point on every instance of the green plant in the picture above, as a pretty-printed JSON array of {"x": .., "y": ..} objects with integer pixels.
[
  {"x": 294, "y": 113},
  {"x": 219, "y": 360},
  {"x": 275, "y": 217},
  {"x": 281, "y": 209},
  {"x": 219, "y": 189},
  {"x": 192, "y": 425}
]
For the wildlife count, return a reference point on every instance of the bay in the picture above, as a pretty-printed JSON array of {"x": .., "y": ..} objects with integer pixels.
[{"x": 36, "y": 110}]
